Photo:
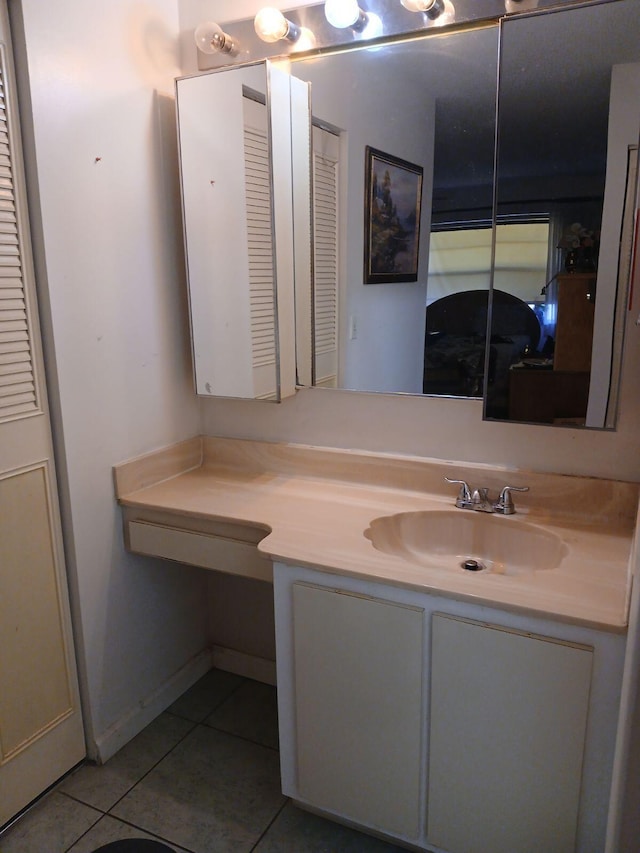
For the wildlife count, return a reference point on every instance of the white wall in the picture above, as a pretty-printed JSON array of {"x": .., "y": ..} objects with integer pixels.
[
  {"x": 192, "y": 12},
  {"x": 107, "y": 235}
]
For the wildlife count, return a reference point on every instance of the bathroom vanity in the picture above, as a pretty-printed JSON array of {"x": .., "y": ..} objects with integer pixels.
[
  {"x": 445, "y": 709},
  {"x": 443, "y": 724}
]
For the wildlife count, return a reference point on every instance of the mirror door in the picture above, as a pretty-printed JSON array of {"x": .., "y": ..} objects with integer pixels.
[
  {"x": 567, "y": 152},
  {"x": 241, "y": 131},
  {"x": 433, "y": 106}
]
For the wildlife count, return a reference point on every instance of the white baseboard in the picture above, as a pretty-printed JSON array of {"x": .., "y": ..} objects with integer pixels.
[
  {"x": 145, "y": 711},
  {"x": 240, "y": 663}
]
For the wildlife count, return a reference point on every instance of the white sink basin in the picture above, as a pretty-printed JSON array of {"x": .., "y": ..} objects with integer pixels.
[{"x": 448, "y": 539}]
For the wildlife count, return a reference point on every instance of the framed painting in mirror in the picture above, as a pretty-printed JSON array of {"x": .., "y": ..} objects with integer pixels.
[{"x": 393, "y": 193}]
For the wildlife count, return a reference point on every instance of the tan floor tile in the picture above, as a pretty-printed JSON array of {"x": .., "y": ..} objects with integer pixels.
[{"x": 213, "y": 792}]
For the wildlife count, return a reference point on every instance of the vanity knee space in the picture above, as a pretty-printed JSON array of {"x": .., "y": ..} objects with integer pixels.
[{"x": 444, "y": 724}]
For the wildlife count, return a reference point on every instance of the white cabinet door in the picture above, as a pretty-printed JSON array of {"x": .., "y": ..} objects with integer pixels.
[
  {"x": 507, "y": 730},
  {"x": 358, "y": 665}
]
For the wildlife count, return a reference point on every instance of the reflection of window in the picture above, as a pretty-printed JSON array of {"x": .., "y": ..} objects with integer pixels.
[
  {"x": 522, "y": 252},
  {"x": 460, "y": 260}
]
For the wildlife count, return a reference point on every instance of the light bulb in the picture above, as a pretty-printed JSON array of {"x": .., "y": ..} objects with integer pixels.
[
  {"x": 440, "y": 10},
  {"x": 520, "y": 5},
  {"x": 306, "y": 41},
  {"x": 271, "y": 26},
  {"x": 373, "y": 27},
  {"x": 345, "y": 13},
  {"x": 447, "y": 16},
  {"x": 419, "y": 5},
  {"x": 210, "y": 38}
]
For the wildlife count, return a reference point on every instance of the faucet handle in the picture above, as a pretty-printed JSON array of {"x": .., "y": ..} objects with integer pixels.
[
  {"x": 464, "y": 495},
  {"x": 505, "y": 503}
]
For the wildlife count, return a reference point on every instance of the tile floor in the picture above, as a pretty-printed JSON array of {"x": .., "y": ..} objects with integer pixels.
[{"x": 203, "y": 777}]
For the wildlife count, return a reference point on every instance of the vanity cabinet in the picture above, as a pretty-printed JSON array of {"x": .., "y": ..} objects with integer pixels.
[
  {"x": 508, "y": 718},
  {"x": 442, "y": 724}
]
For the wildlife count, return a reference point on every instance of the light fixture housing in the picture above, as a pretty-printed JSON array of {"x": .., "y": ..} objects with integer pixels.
[
  {"x": 359, "y": 20},
  {"x": 210, "y": 38},
  {"x": 271, "y": 26},
  {"x": 344, "y": 14}
]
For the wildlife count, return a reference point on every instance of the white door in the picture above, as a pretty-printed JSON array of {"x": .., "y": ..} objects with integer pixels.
[{"x": 41, "y": 732}]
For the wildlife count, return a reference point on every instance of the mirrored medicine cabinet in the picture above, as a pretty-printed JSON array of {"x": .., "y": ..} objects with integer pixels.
[
  {"x": 521, "y": 275},
  {"x": 244, "y": 142}
]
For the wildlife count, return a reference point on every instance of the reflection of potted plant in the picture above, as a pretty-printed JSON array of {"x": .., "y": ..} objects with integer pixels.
[{"x": 581, "y": 245}]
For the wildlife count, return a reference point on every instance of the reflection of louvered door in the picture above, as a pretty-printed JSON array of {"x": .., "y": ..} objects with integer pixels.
[
  {"x": 260, "y": 248},
  {"x": 41, "y": 733},
  {"x": 325, "y": 234}
]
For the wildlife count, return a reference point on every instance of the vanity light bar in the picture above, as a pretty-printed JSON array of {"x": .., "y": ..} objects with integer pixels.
[{"x": 393, "y": 18}]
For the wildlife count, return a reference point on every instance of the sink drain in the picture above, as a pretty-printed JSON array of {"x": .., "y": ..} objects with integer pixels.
[{"x": 472, "y": 565}]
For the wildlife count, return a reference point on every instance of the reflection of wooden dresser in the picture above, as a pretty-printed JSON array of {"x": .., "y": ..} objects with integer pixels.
[
  {"x": 573, "y": 296},
  {"x": 545, "y": 396},
  {"x": 561, "y": 394}
]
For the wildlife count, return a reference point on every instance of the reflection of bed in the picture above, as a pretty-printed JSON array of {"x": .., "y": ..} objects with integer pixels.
[{"x": 456, "y": 337}]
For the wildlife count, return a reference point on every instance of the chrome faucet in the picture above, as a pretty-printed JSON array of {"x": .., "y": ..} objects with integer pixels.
[
  {"x": 504, "y": 505},
  {"x": 479, "y": 499}
]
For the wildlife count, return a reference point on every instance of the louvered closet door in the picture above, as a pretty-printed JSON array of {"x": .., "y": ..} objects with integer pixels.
[
  {"x": 326, "y": 148},
  {"x": 260, "y": 249},
  {"x": 41, "y": 733}
]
